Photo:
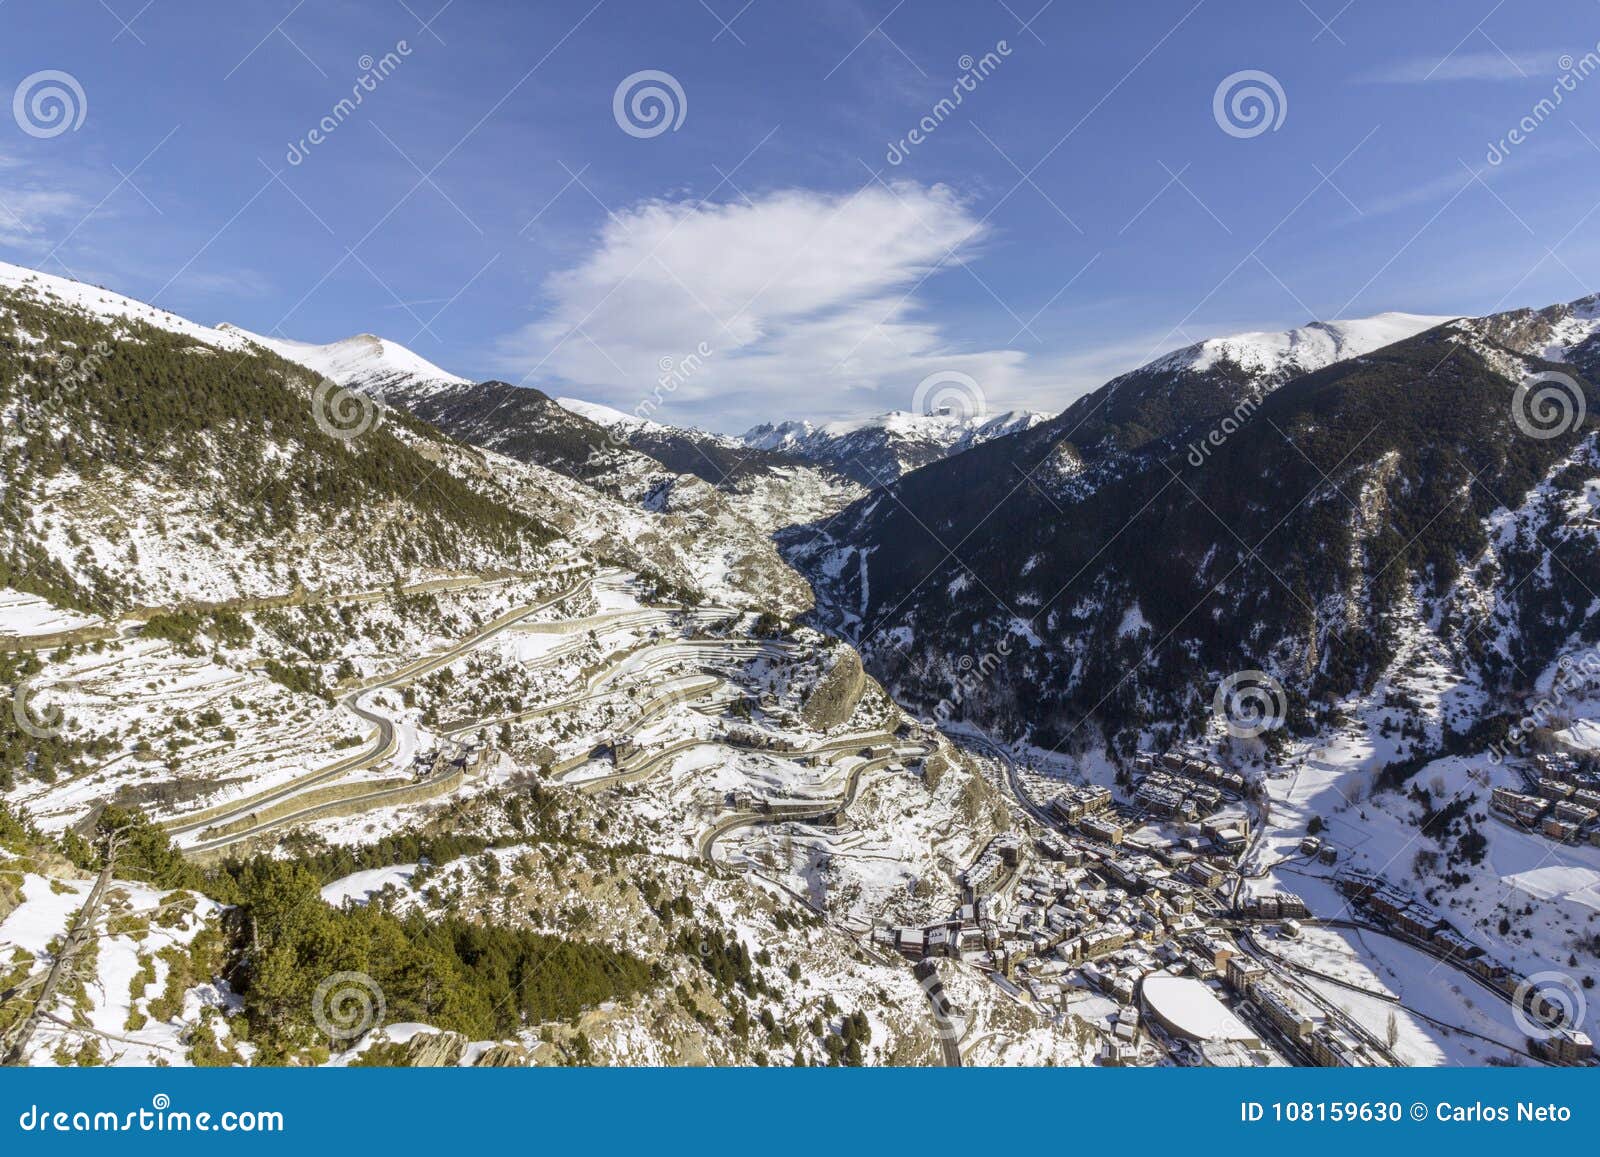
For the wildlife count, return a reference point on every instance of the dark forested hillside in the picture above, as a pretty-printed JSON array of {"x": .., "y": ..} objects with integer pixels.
[{"x": 1120, "y": 557}]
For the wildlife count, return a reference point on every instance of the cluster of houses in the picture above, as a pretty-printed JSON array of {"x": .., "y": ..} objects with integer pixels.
[
  {"x": 1089, "y": 811},
  {"x": 1272, "y": 906},
  {"x": 1073, "y": 903},
  {"x": 1075, "y": 912},
  {"x": 1325, "y": 852},
  {"x": 1404, "y": 913},
  {"x": 1176, "y": 785},
  {"x": 992, "y": 868},
  {"x": 1563, "y": 804}
]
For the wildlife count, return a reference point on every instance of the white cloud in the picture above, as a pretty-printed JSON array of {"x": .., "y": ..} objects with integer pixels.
[
  {"x": 1466, "y": 66},
  {"x": 25, "y": 214},
  {"x": 808, "y": 302}
]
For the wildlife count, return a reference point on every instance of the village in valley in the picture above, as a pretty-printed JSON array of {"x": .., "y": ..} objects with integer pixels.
[{"x": 1141, "y": 911}]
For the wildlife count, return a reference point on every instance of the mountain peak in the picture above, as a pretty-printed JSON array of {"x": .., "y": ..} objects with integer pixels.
[
  {"x": 1275, "y": 356},
  {"x": 364, "y": 360}
]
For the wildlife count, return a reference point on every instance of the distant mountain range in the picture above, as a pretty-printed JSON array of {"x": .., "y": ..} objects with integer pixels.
[{"x": 876, "y": 451}]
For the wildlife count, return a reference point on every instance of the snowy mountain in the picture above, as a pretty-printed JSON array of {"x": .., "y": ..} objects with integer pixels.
[
  {"x": 1272, "y": 358},
  {"x": 519, "y": 732},
  {"x": 264, "y": 479},
  {"x": 613, "y": 419},
  {"x": 103, "y": 303},
  {"x": 365, "y": 362},
  {"x": 290, "y": 671},
  {"x": 878, "y": 450},
  {"x": 628, "y": 457},
  {"x": 1220, "y": 510}
]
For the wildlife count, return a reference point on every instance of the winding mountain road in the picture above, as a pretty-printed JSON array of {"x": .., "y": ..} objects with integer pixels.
[{"x": 382, "y": 748}]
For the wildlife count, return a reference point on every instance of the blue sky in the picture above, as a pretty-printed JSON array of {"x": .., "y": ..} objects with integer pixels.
[{"x": 1082, "y": 210}]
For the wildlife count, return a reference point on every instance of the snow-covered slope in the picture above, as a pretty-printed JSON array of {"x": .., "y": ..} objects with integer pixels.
[
  {"x": 365, "y": 361},
  {"x": 608, "y": 417},
  {"x": 103, "y": 303},
  {"x": 1275, "y": 357}
]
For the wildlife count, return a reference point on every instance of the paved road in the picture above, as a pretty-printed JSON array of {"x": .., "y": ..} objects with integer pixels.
[
  {"x": 944, "y": 1025},
  {"x": 385, "y": 741},
  {"x": 1013, "y": 778},
  {"x": 799, "y": 812}
]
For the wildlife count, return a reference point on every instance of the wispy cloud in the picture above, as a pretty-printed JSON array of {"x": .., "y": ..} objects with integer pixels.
[
  {"x": 809, "y": 302},
  {"x": 31, "y": 205},
  {"x": 1468, "y": 66},
  {"x": 27, "y": 213}
]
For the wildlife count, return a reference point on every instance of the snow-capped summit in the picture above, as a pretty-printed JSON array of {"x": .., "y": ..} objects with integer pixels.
[
  {"x": 879, "y": 450},
  {"x": 1272, "y": 358},
  {"x": 365, "y": 361},
  {"x": 607, "y": 416},
  {"x": 779, "y": 435}
]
